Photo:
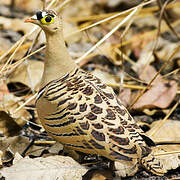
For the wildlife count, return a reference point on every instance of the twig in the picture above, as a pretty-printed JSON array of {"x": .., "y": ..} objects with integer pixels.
[
  {"x": 16, "y": 64},
  {"x": 22, "y": 105},
  {"x": 166, "y": 153},
  {"x": 26, "y": 60}
]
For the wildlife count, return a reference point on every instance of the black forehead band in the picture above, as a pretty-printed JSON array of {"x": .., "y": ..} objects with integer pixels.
[{"x": 39, "y": 15}]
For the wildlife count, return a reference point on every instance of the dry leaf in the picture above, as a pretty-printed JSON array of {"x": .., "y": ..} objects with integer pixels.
[
  {"x": 125, "y": 97},
  {"x": 55, "y": 148},
  {"x": 123, "y": 170},
  {"x": 18, "y": 144},
  {"x": 5, "y": 43},
  {"x": 159, "y": 95},
  {"x": 147, "y": 74},
  {"x": 104, "y": 76},
  {"x": 8, "y": 127},
  {"x": 10, "y": 103},
  {"x": 11, "y": 122},
  {"x": 29, "y": 74},
  {"x": 53, "y": 167},
  {"x": 169, "y": 131}
]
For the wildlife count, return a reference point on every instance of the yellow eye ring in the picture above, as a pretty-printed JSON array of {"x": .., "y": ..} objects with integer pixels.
[{"x": 47, "y": 20}]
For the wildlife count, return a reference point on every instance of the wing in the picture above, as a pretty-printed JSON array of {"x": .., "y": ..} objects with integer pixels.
[{"x": 84, "y": 114}]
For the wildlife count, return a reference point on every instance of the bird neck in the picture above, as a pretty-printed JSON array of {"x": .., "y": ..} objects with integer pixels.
[{"x": 58, "y": 61}]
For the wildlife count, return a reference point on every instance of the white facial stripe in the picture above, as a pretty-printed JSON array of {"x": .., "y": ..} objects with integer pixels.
[
  {"x": 34, "y": 17},
  {"x": 44, "y": 14}
]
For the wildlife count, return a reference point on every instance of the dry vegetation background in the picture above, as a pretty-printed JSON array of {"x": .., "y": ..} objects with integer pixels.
[{"x": 133, "y": 46}]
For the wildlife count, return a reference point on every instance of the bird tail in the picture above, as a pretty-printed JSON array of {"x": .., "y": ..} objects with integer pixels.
[
  {"x": 153, "y": 164},
  {"x": 159, "y": 161}
]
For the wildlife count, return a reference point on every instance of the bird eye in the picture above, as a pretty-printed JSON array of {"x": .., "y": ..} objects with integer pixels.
[{"x": 47, "y": 20}]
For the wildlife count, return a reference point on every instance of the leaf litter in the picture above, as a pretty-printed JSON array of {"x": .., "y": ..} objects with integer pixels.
[{"x": 115, "y": 43}]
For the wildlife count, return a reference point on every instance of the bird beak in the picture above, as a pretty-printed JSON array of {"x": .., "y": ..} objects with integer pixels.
[
  {"x": 29, "y": 20},
  {"x": 32, "y": 19}
]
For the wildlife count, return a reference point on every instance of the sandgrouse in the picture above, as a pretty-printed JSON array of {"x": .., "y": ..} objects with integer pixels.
[{"x": 80, "y": 111}]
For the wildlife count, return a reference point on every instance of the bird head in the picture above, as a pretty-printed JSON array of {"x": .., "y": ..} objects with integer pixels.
[{"x": 48, "y": 20}]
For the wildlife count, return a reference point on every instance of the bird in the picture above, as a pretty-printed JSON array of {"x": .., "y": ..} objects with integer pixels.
[{"x": 80, "y": 111}]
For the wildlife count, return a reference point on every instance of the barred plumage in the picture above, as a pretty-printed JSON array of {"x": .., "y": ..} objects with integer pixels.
[{"x": 98, "y": 115}]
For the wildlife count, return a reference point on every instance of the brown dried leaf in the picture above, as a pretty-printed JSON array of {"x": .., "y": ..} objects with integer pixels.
[
  {"x": 6, "y": 155},
  {"x": 160, "y": 95},
  {"x": 53, "y": 167},
  {"x": 125, "y": 97},
  {"x": 19, "y": 144},
  {"x": 147, "y": 74},
  {"x": 55, "y": 148},
  {"x": 10, "y": 103}
]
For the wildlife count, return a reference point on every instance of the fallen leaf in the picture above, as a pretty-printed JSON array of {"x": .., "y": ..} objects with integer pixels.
[
  {"x": 123, "y": 170},
  {"x": 159, "y": 95},
  {"x": 17, "y": 144},
  {"x": 8, "y": 127},
  {"x": 169, "y": 131},
  {"x": 147, "y": 74},
  {"x": 125, "y": 97},
  {"x": 52, "y": 167},
  {"x": 29, "y": 74},
  {"x": 8, "y": 105},
  {"x": 55, "y": 148},
  {"x": 104, "y": 76}
]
